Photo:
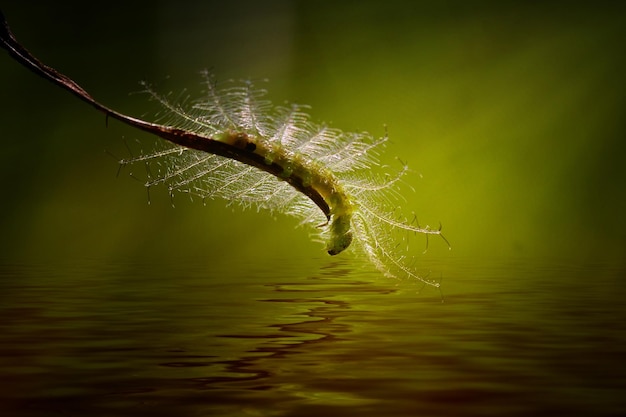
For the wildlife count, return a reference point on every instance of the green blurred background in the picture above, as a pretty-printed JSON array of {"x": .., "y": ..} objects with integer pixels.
[{"x": 511, "y": 115}]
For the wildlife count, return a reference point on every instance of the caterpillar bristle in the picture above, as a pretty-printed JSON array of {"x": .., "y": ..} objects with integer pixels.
[{"x": 378, "y": 230}]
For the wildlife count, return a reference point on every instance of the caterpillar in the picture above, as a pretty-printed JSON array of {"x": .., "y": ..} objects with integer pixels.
[{"x": 234, "y": 144}]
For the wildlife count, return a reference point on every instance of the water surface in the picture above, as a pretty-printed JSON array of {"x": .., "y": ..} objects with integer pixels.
[{"x": 294, "y": 337}]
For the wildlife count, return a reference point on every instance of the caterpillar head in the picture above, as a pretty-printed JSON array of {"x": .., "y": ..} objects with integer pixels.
[{"x": 340, "y": 234}]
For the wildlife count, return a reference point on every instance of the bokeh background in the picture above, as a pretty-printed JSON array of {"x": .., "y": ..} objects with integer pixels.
[{"x": 511, "y": 115}]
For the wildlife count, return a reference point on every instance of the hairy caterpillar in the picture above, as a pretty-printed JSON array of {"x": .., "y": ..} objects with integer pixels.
[{"x": 227, "y": 143}]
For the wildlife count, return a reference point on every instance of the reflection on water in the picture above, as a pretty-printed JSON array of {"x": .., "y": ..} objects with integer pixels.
[{"x": 511, "y": 338}]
